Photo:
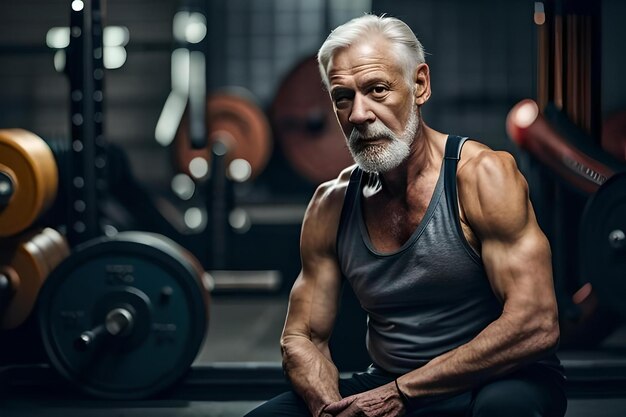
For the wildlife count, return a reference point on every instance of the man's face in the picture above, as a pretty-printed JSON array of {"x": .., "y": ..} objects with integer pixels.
[{"x": 374, "y": 104}]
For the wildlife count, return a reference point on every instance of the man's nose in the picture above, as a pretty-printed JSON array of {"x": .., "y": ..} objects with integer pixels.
[{"x": 360, "y": 112}]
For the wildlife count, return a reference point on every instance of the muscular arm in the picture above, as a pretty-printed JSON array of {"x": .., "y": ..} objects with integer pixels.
[
  {"x": 516, "y": 255},
  {"x": 313, "y": 304}
]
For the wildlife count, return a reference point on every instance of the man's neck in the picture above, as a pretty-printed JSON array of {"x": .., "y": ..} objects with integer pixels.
[{"x": 425, "y": 154}]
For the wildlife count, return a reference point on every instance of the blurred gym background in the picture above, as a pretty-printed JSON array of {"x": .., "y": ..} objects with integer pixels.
[{"x": 205, "y": 122}]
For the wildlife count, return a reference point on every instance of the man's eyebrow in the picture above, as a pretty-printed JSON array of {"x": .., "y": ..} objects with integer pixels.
[
  {"x": 375, "y": 79},
  {"x": 341, "y": 91}
]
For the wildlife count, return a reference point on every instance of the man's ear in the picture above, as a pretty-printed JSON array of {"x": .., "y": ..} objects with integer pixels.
[{"x": 422, "y": 84}]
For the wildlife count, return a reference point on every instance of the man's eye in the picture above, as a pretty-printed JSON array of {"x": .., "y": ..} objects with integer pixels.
[
  {"x": 342, "y": 96},
  {"x": 379, "y": 90},
  {"x": 341, "y": 100}
]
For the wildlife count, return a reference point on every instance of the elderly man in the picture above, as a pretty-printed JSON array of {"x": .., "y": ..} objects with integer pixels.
[{"x": 439, "y": 241}]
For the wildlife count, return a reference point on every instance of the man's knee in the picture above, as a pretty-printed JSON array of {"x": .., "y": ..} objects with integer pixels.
[
  {"x": 498, "y": 405},
  {"x": 519, "y": 398},
  {"x": 260, "y": 411}
]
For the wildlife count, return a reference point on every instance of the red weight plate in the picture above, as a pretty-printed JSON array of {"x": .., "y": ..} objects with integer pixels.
[
  {"x": 239, "y": 123},
  {"x": 306, "y": 127},
  {"x": 614, "y": 135}
]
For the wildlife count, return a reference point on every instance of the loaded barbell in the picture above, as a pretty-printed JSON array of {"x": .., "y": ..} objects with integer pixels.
[
  {"x": 125, "y": 316},
  {"x": 121, "y": 317}
]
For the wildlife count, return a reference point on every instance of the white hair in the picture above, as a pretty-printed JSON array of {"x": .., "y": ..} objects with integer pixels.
[{"x": 406, "y": 46}]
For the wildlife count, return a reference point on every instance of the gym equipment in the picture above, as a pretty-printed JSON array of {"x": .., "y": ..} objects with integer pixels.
[
  {"x": 28, "y": 179},
  {"x": 88, "y": 167},
  {"x": 614, "y": 136},
  {"x": 306, "y": 127},
  {"x": 569, "y": 47},
  {"x": 603, "y": 242},
  {"x": 124, "y": 316},
  {"x": 241, "y": 131},
  {"x": 575, "y": 159},
  {"x": 587, "y": 315},
  {"x": 25, "y": 262},
  {"x": 565, "y": 139}
]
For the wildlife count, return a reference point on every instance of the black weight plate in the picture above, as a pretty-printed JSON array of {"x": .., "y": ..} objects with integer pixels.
[
  {"x": 601, "y": 262},
  {"x": 151, "y": 276}
]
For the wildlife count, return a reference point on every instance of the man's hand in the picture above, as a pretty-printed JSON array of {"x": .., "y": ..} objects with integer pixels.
[{"x": 383, "y": 401}]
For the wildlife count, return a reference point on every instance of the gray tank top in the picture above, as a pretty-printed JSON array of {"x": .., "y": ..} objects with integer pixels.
[{"x": 428, "y": 297}]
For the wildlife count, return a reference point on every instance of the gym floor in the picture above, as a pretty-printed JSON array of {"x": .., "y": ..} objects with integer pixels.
[{"x": 247, "y": 329}]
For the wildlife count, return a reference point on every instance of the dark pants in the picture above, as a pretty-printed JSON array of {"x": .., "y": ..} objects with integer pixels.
[{"x": 532, "y": 392}]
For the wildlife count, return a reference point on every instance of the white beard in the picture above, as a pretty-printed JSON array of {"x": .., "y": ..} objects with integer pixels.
[{"x": 389, "y": 154}]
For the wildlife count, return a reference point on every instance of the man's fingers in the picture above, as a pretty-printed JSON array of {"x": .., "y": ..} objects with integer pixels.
[
  {"x": 338, "y": 406},
  {"x": 350, "y": 411}
]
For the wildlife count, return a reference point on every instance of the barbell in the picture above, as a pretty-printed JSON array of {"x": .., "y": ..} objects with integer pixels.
[
  {"x": 120, "y": 317},
  {"x": 124, "y": 317}
]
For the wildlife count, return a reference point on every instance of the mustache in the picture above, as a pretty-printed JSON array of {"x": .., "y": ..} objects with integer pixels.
[
  {"x": 368, "y": 138},
  {"x": 376, "y": 131}
]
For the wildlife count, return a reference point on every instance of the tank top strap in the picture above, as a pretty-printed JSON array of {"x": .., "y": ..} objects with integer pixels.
[{"x": 452, "y": 155}]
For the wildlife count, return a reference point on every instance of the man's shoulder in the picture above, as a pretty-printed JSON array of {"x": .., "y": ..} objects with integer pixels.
[
  {"x": 480, "y": 162},
  {"x": 321, "y": 220},
  {"x": 330, "y": 194},
  {"x": 327, "y": 201},
  {"x": 493, "y": 193}
]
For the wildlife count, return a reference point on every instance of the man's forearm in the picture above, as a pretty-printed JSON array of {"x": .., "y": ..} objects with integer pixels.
[
  {"x": 311, "y": 372},
  {"x": 501, "y": 347}
]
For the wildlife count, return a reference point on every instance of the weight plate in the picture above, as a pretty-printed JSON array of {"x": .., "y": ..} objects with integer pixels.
[
  {"x": 614, "y": 135},
  {"x": 149, "y": 277},
  {"x": 603, "y": 243},
  {"x": 26, "y": 261},
  {"x": 237, "y": 122},
  {"x": 30, "y": 164},
  {"x": 305, "y": 125},
  {"x": 51, "y": 255},
  {"x": 59, "y": 247}
]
